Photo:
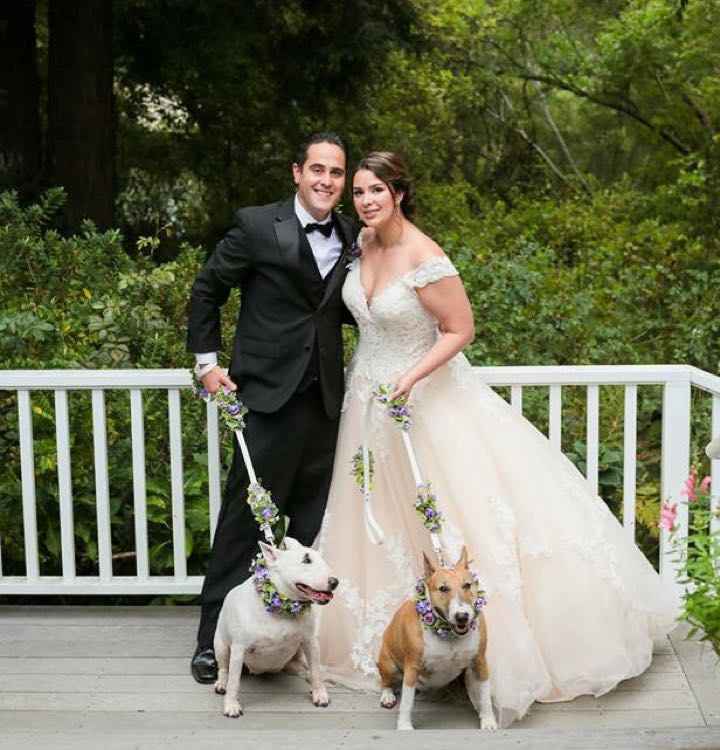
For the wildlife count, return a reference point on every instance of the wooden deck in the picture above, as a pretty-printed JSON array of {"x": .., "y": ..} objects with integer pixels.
[{"x": 99, "y": 677}]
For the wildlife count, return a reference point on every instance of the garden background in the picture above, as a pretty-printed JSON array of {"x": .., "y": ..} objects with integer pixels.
[{"x": 566, "y": 154}]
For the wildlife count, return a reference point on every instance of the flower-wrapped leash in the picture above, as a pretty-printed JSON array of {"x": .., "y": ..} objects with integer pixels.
[
  {"x": 425, "y": 502},
  {"x": 265, "y": 512}
]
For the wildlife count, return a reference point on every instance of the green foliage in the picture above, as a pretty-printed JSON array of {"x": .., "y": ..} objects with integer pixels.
[
  {"x": 699, "y": 558},
  {"x": 82, "y": 302}
]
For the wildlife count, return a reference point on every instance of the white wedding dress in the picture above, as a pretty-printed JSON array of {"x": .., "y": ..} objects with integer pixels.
[{"x": 573, "y": 605}]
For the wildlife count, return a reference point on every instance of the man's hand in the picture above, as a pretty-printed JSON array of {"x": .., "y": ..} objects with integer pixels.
[{"x": 217, "y": 378}]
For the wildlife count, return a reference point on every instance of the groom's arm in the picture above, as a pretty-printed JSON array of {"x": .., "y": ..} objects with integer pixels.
[{"x": 226, "y": 268}]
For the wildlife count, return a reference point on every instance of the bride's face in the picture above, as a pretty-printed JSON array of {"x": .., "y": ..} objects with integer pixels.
[{"x": 374, "y": 202}]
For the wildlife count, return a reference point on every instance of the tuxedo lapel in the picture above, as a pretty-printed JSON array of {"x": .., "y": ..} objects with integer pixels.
[
  {"x": 337, "y": 275},
  {"x": 288, "y": 238}
]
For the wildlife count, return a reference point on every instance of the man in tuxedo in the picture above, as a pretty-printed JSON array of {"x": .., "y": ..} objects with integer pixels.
[{"x": 289, "y": 260}]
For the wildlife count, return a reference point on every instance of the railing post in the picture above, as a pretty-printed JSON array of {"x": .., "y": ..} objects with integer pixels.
[{"x": 675, "y": 469}]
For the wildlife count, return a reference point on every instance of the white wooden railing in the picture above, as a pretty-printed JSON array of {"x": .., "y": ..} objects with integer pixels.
[{"x": 676, "y": 381}]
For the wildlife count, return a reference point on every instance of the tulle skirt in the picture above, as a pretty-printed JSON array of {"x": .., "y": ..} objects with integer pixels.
[{"x": 573, "y": 605}]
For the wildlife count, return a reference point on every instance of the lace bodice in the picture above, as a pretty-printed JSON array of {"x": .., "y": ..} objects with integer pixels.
[{"x": 395, "y": 329}]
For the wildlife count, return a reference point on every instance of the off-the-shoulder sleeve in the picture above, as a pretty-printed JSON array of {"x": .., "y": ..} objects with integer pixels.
[{"x": 431, "y": 270}]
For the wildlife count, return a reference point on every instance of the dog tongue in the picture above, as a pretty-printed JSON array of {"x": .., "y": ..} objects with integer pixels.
[{"x": 321, "y": 596}]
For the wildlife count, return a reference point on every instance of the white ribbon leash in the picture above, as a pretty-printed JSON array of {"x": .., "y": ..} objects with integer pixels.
[
  {"x": 267, "y": 531},
  {"x": 434, "y": 537}
]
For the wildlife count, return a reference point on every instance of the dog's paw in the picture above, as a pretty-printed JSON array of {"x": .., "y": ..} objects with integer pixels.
[
  {"x": 405, "y": 725},
  {"x": 320, "y": 697},
  {"x": 488, "y": 723},
  {"x": 220, "y": 687},
  {"x": 232, "y": 709},
  {"x": 388, "y": 698}
]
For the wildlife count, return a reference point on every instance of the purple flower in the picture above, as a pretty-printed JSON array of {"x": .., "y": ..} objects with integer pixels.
[
  {"x": 203, "y": 393},
  {"x": 429, "y": 513},
  {"x": 275, "y": 601},
  {"x": 232, "y": 409},
  {"x": 423, "y": 607},
  {"x": 267, "y": 513},
  {"x": 442, "y": 633},
  {"x": 295, "y": 607},
  {"x": 479, "y": 603},
  {"x": 420, "y": 587},
  {"x": 261, "y": 573},
  {"x": 428, "y": 618}
]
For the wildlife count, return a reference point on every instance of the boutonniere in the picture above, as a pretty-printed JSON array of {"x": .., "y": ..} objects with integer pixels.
[{"x": 353, "y": 253}]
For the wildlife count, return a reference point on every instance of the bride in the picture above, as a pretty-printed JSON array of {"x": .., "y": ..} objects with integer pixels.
[{"x": 572, "y": 604}]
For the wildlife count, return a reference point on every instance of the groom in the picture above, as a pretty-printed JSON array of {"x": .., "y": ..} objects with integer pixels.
[{"x": 288, "y": 259}]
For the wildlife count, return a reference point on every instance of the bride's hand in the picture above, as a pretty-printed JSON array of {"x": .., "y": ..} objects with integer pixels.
[
  {"x": 366, "y": 237},
  {"x": 403, "y": 387}
]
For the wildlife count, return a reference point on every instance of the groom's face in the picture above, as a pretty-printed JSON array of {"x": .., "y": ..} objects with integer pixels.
[{"x": 320, "y": 179}]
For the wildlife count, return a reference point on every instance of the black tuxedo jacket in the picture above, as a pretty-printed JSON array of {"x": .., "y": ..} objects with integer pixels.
[{"x": 288, "y": 313}]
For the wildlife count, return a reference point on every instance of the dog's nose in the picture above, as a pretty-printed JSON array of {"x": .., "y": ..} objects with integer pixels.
[
  {"x": 461, "y": 618},
  {"x": 333, "y": 583}
]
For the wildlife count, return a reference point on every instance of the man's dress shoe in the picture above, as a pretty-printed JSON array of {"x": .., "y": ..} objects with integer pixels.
[{"x": 203, "y": 665}]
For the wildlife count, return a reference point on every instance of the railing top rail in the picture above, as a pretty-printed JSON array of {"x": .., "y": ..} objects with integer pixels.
[
  {"x": 705, "y": 380},
  {"x": 81, "y": 379},
  {"x": 512, "y": 375},
  {"x": 586, "y": 374}
]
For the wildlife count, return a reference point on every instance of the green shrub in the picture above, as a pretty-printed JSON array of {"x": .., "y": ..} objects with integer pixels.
[{"x": 83, "y": 302}]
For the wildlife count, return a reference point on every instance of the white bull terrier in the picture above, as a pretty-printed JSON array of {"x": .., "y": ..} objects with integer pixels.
[{"x": 267, "y": 622}]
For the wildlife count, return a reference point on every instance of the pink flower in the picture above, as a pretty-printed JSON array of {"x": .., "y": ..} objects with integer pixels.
[
  {"x": 668, "y": 515},
  {"x": 705, "y": 485},
  {"x": 689, "y": 489}
]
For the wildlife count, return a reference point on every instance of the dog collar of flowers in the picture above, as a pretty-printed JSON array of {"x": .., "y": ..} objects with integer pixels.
[
  {"x": 434, "y": 621},
  {"x": 275, "y": 602}
]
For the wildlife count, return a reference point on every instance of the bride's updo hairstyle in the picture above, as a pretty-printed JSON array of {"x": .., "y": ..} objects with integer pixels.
[{"x": 392, "y": 170}]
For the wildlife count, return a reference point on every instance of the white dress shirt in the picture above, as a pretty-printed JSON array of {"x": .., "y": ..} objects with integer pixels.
[{"x": 326, "y": 250}]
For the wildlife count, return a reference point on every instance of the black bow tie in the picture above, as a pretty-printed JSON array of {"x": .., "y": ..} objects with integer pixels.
[{"x": 324, "y": 229}]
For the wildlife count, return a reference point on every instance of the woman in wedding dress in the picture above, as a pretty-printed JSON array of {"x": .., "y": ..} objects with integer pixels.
[{"x": 572, "y": 604}]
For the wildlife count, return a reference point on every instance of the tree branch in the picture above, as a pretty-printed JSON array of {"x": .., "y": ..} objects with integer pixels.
[
  {"x": 523, "y": 134},
  {"x": 631, "y": 111}
]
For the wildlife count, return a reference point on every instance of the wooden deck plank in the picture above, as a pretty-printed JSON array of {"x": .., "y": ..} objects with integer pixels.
[
  {"x": 179, "y": 681},
  {"x": 701, "y": 667},
  {"x": 97, "y": 615},
  {"x": 211, "y": 735},
  {"x": 151, "y": 665},
  {"x": 127, "y": 670},
  {"x": 202, "y": 699}
]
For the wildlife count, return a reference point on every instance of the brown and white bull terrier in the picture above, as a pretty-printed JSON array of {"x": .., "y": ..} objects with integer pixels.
[{"x": 433, "y": 638}]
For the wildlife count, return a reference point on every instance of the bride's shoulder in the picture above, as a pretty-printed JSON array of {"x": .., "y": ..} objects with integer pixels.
[{"x": 429, "y": 263}]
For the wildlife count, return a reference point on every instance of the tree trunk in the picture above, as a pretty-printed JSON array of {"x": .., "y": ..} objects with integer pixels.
[
  {"x": 81, "y": 123},
  {"x": 20, "y": 143}
]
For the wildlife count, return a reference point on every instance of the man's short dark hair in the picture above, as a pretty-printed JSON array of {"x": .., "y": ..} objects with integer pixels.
[{"x": 326, "y": 136}]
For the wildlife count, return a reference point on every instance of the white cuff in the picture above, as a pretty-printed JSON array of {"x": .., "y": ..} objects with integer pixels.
[
  {"x": 201, "y": 369},
  {"x": 206, "y": 358}
]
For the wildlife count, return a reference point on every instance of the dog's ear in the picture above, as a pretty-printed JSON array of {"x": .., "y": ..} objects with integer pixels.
[
  {"x": 291, "y": 543},
  {"x": 269, "y": 553},
  {"x": 463, "y": 562},
  {"x": 428, "y": 566}
]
